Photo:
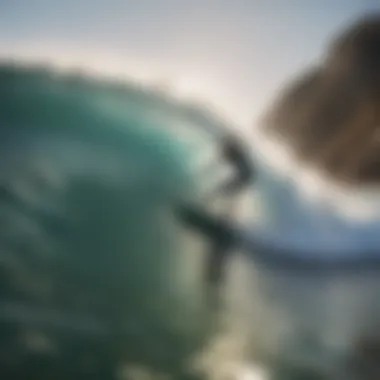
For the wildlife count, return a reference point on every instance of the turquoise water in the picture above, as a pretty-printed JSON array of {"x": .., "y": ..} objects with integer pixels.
[{"x": 92, "y": 172}]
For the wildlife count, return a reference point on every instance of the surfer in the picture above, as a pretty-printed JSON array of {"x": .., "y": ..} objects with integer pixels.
[{"x": 234, "y": 152}]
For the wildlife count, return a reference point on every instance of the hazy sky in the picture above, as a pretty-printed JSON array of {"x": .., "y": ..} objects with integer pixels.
[{"x": 235, "y": 52}]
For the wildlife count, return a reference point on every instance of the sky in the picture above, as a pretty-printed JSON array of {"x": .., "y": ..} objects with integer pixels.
[{"x": 233, "y": 53}]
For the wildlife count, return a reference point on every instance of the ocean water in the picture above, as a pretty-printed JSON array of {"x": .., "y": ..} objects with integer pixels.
[{"x": 91, "y": 172}]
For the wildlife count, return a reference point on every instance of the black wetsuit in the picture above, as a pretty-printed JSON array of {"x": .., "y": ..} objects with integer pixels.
[
  {"x": 214, "y": 227},
  {"x": 235, "y": 154}
]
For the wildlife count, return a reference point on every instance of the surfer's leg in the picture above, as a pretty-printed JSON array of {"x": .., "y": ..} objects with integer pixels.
[{"x": 216, "y": 261}]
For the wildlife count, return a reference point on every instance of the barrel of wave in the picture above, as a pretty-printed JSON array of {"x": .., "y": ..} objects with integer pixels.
[{"x": 123, "y": 168}]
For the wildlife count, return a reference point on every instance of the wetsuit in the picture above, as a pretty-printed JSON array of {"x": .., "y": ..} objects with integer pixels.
[{"x": 235, "y": 154}]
